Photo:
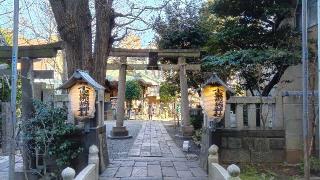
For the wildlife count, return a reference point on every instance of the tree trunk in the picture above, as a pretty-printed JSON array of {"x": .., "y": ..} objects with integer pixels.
[
  {"x": 73, "y": 18},
  {"x": 274, "y": 81},
  {"x": 103, "y": 40}
]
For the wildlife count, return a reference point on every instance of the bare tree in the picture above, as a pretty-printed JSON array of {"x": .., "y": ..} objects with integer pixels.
[{"x": 74, "y": 19}]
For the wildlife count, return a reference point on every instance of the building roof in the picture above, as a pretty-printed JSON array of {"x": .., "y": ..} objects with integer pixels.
[{"x": 81, "y": 75}]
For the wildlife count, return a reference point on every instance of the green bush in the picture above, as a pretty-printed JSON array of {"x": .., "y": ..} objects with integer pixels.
[
  {"x": 196, "y": 121},
  {"x": 47, "y": 136}
]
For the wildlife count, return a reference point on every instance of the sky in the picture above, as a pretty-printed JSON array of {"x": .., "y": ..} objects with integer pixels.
[{"x": 37, "y": 21}]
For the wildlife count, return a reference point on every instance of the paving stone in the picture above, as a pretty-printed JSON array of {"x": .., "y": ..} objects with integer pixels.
[
  {"x": 153, "y": 156},
  {"x": 108, "y": 178},
  {"x": 198, "y": 172},
  {"x": 124, "y": 172},
  {"x": 177, "y": 152},
  {"x": 110, "y": 172},
  {"x": 145, "y": 153},
  {"x": 153, "y": 163},
  {"x": 140, "y": 164},
  {"x": 171, "y": 178},
  {"x": 180, "y": 166},
  {"x": 192, "y": 164},
  {"x": 154, "y": 171},
  {"x": 169, "y": 172},
  {"x": 166, "y": 164},
  {"x": 139, "y": 171},
  {"x": 184, "y": 174},
  {"x": 141, "y": 178},
  {"x": 127, "y": 163}
]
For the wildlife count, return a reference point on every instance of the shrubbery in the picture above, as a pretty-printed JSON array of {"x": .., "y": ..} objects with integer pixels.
[{"x": 47, "y": 136}]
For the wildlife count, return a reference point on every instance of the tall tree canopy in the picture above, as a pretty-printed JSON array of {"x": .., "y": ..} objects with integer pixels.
[
  {"x": 133, "y": 91},
  {"x": 180, "y": 28},
  {"x": 253, "y": 40},
  {"x": 167, "y": 92}
]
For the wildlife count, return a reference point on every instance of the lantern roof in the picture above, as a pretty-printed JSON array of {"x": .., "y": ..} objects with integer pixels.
[
  {"x": 80, "y": 75},
  {"x": 215, "y": 80}
]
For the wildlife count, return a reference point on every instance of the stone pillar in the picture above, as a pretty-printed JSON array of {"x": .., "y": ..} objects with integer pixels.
[
  {"x": 6, "y": 127},
  {"x": 27, "y": 104},
  {"x": 252, "y": 116},
  {"x": 120, "y": 131},
  {"x": 213, "y": 154},
  {"x": 93, "y": 158},
  {"x": 186, "y": 128},
  {"x": 239, "y": 116},
  {"x": 234, "y": 172},
  {"x": 68, "y": 174}
]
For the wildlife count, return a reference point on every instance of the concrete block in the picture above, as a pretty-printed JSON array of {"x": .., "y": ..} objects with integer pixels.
[
  {"x": 274, "y": 156},
  {"x": 234, "y": 155},
  {"x": 294, "y": 127},
  {"x": 292, "y": 111},
  {"x": 261, "y": 144},
  {"x": 234, "y": 143},
  {"x": 247, "y": 143},
  {"x": 224, "y": 142},
  {"x": 294, "y": 156},
  {"x": 277, "y": 143},
  {"x": 294, "y": 142}
]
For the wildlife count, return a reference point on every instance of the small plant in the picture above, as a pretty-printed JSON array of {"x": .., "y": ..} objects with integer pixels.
[
  {"x": 196, "y": 137},
  {"x": 46, "y": 136},
  {"x": 196, "y": 121},
  {"x": 250, "y": 172},
  {"x": 314, "y": 165}
]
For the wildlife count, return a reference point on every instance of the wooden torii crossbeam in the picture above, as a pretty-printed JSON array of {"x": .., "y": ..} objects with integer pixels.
[
  {"x": 164, "y": 67},
  {"x": 32, "y": 52}
]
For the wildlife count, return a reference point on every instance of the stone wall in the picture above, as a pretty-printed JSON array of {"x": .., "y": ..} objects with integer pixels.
[
  {"x": 244, "y": 146},
  {"x": 292, "y": 110}
]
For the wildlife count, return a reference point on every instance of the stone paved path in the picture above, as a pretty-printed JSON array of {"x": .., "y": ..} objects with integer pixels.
[{"x": 154, "y": 156}]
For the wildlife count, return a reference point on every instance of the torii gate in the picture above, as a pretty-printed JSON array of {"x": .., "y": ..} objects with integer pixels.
[
  {"x": 50, "y": 50},
  {"x": 26, "y": 55},
  {"x": 120, "y": 131}
]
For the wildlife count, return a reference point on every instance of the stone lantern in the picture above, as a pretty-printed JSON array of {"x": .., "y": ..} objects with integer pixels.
[
  {"x": 86, "y": 110},
  {"x": 214, "y": 93}
]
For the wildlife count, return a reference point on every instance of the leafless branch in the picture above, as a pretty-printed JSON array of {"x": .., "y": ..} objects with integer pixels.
[{"x": 127, "y": 31}]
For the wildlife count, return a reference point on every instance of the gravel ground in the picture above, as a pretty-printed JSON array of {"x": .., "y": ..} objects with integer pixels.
[
  {"x": 119, "y": 148},
  {"x": 194, "y": 149}
]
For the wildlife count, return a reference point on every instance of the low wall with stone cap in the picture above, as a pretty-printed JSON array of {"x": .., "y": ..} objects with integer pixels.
[
  {"x": 216, "y": 171},
  {"x": 257, "y": 146},
  {"x": 90, "y": 172}
]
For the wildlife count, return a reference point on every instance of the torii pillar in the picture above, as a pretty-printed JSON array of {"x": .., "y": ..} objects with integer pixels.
[
  {"x": 186, "y": 127},
  {"x": 119, "y": 131}
]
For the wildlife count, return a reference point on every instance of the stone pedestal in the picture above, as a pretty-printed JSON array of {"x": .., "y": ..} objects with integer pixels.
[
  {"x": 119, "y": 131},
  {"x": 187, "y": 130}
]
